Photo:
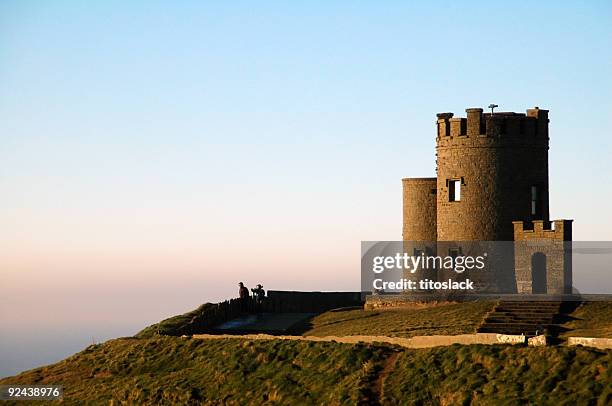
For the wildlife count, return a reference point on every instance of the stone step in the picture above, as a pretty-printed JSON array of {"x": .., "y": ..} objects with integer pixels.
[
  {"x": 530, "y": 304},
  {"x": 498, "y": 319},
  {"x": 507, "y": 312},
  {"x": 523, "y": 315},
  {"x": 527, "y": 304},
  {"x": 522, "y": 326},
  {"x": 533, "y": 310},
  {"x": 527, "y": 313},
  {"x": 530, "y": 308},
  {"x": 516, "y": 317},
  {"x": 524, "y": 331},
  {"x": 511, "y": 325},
  {"x": 536, "y": 312}
]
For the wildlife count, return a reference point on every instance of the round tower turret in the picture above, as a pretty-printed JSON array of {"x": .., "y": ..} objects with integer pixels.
[
  {"x": 419, "y": 209},
  {"x": 492, "y": 169}
]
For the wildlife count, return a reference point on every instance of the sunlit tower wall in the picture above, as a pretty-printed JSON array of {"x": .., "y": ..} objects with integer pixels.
[
  {"x": 419, "y": 209},
  {"x": 492, "y": 169}
]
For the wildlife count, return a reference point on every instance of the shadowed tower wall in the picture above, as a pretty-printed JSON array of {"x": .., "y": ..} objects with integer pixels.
[{"x": 499, "y": 161}]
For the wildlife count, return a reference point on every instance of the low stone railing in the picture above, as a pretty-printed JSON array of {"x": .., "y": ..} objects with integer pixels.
[{"x": 602, "y": 343}]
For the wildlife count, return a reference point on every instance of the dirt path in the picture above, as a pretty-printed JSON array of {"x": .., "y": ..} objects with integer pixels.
[{"x": 388, "y": 367}]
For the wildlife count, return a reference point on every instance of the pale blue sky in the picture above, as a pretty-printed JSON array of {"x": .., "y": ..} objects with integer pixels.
[
  {"x": 150, "y": 101},
  {"x": 157, "y": 147}
]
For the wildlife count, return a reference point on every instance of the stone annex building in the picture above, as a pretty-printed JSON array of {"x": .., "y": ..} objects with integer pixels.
[{"x": 492, "y": 185}]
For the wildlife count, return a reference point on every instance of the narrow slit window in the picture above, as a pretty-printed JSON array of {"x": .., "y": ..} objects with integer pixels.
[
  {"x": 535, "y": 201},
  {"x": 454, "y": 190}
]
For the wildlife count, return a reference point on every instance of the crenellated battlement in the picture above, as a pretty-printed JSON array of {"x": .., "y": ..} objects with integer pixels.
[
  {"x": 500, "y": 127},
  {"x": 541, "y": 229}
]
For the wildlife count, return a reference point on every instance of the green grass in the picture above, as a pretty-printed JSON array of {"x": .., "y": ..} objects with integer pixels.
[
  {"x": 170, "y": 325},
  {"x": 501, "y": 375},
  {"x": 174, "y": 370},
  {"x": 445, "y": 319},
  {"x": 591, "y": 319}
]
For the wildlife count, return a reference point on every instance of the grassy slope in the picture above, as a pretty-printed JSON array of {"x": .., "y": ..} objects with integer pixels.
[
  {"x": 485, "y": 375},
  {"x": 593, "y": 319},
  {"x": 451, "y": 319},
  {"x": 173, "y": 370},
  {"x": 167, "y": 326}
]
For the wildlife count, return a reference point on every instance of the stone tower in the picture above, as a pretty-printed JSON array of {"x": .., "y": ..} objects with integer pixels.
[
  {"x": 491, "y": 186},
  {"x": 492, "y": 169}
]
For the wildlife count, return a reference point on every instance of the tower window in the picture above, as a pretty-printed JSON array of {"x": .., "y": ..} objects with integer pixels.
[
  {"x": 536, "y": 205},
  {"x": 454, "y": 190}
]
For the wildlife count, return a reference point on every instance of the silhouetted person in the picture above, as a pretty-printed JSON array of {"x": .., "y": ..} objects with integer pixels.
[
  {"x": 258, "y": 294},
  {"x": 243, "y": 292}
]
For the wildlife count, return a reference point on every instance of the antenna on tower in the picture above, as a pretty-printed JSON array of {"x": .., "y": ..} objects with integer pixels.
[{"x": 492, "y": 106}]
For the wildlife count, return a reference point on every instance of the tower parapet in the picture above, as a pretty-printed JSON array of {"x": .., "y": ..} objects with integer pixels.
[
  {"x": 560, "y": 230},
  {"x": 500, "y": 128}
]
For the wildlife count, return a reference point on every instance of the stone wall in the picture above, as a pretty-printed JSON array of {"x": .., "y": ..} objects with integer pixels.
[
  {"x": 602, "y": 343},
  {"x": 281, "y": 301},
  {"x": 277, "y": 301},
  {"x": 412, "y": 342}
]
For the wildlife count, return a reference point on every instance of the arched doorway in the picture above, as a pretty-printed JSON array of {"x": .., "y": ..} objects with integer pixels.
[{"x": 538, "y": 273}]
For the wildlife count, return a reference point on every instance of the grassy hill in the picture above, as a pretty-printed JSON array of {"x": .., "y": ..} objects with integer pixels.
[
  {"x": 170, "y": 325},
  {"x": 590, "y": 319},
  {"x": 150, "y": 369},
  {"x": 449, "y": 318},
  {"x": 485, "y": 375},
  {"x": 174, "y": 370}
]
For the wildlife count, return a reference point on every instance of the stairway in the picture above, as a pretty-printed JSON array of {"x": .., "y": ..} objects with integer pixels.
[{"x": 527, "y": 317}]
